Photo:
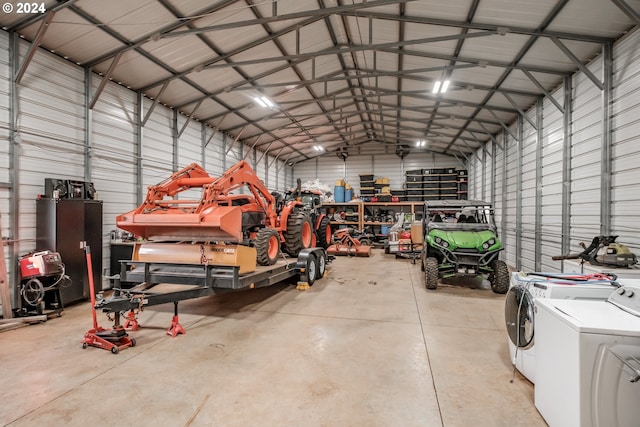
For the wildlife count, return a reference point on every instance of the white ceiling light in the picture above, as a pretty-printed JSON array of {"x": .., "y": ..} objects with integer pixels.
[
  {"x": 421, "y": 143},
  {"x": 319, "y": 148},
  {"x": 440, "y": 87},
  {"x": 264, "y": 102}
]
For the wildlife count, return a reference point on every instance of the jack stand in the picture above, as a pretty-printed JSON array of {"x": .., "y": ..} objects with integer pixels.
[
  {"x": 175, "y": 327},
  {"x": 132, "y": 321}
]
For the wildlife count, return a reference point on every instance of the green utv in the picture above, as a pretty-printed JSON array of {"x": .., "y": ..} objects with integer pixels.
[{"x": 461, "y": 238}]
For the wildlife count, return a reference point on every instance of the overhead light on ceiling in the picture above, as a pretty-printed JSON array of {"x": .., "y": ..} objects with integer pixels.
[
  {"x": 440, "y": 86},
  {"x": 319, "y": 148},
  {"x": 421, "y": 143},
  {"x": 264, "y": 102}
]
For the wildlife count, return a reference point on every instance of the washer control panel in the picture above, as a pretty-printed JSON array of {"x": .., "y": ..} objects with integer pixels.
[{"x": 627, "y": 298}]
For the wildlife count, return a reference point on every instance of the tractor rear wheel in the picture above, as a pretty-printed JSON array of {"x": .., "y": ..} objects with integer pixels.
[
  {"x": 267, "y": 244},
  {"x": 500, "y": 277},
  {"x": 323, "y": 233},
  {"x": 299, "y": 233}
]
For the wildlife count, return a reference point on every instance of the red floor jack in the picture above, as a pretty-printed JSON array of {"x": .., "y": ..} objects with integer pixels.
[{"x": 114, "y": 339}]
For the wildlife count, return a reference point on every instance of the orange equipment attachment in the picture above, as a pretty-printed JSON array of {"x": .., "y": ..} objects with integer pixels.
[
  {"x": 347, "y": 244},
  {"x": 216, "y": 216}
]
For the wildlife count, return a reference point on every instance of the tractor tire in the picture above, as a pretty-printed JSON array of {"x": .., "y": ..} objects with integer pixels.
[
  {"x": 431, "y": 273},
  {"x": 299, "y": 233},
  {"x": 500, "y": 277},
  {"x": 267, "y": 244},
  {"x": 324, "y": 234}
]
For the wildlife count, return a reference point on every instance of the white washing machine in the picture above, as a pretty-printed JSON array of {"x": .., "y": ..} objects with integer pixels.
[
  {"x": 588, "y": 361},
  {"x": 520, "y": 300}
]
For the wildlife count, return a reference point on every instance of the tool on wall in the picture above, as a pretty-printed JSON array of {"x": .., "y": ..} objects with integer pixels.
[{"x": 603, "y": 251}]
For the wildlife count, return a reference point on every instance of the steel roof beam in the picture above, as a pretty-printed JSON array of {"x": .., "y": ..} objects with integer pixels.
[
  {"x": 578, "y": 63},
  {"x": 44, "y": 26},
  {"x": 181, "y": 23},
  {"x": 321, "y": 13},
  {"x": 544, "y": 91},
  {"x": 628, "y": 10},
  {"x": 32, "y": 19},
  {"x": 525, "y": 49},
  {"x": 486, "y": 27}
]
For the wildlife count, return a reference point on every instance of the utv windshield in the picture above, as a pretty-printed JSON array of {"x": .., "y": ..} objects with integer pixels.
[{"x": 461, "y": 218}]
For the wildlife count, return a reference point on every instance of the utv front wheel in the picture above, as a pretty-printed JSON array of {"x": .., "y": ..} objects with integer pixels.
[
  {"x": 500, "y": 277},
  {"x": 431, "y": 273}
]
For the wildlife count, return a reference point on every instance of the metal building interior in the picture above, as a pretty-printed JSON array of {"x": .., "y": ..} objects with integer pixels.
[{"x": 537, "y": 102}]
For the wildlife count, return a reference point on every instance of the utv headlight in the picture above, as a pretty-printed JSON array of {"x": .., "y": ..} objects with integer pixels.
[
  {"x": 445, "y": 244},
  {"x": 438, "y": 240},
  {"x": 488, "y": 243}
]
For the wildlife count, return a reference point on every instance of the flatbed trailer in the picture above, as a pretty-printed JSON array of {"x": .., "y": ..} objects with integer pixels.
[{"x": 203, "y": 280}]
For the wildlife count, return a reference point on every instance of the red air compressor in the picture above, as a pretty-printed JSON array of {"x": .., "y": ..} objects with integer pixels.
[{"x": 42, "y": 274}]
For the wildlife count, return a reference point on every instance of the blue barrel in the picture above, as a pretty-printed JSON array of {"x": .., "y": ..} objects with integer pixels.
[
  {"x": 348, "y": 195},
  {"x": 338, "y": 193}
]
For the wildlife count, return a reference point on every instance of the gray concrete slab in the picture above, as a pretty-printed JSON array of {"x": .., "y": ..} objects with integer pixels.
[{"x": 368, "y": 345}]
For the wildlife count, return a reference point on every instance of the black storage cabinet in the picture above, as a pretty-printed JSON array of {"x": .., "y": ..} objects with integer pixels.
[{"x": 64, "y": 226}]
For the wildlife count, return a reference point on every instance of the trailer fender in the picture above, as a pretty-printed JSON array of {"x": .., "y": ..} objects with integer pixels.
[{"x": 312, "y": 258}]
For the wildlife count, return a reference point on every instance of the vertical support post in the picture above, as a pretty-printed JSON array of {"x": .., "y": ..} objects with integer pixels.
[
  {"x": 503, "y": 213},
  {"x": 538, "y": 208},
  {"x": 14, "y": 159},
  {"x": 494, "y": 173},
  {"x": 519, "y": 144},
  {"x": 224, "y": 153},
  {"x": 203, "y": 145},
  {"x": 566, "y": 167},
  {"x": 605, "y": 199},
  {"x": 484, "y": 174},
  {"x": 88, "y": 125},
  {"x": 139, "y": 138},
  {"x": 174, "y": 134}
]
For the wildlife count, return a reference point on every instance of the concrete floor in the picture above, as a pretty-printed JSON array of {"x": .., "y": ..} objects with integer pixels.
[{"x": 366, "y": 346}]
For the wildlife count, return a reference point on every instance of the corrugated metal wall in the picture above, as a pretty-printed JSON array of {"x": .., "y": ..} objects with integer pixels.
[
  {"x": 625, "y": 197},
  {"x": 586, "y": 157},
  {"x": 51, "y": 126},
  {"x": 551, "y": 182},
  {"x": 58, "y": 139},
  {"x": 528, "y": 192},
  {"x": 329, "y": 168}
]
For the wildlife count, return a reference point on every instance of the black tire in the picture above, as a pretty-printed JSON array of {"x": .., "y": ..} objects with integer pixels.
[
  {"x": 431, "y": 273},
  {"x": 323, "y": 233},
  {"x": 299, "y": 233},
  {"x": 366, "y": 242},
  {"x": 133, "y": 342},
  {"x": 267, "y": 244},
  {"x": 387, "y": 248},
  {"x": 115, "y": 350},
  {"x": 311, "y": 270},
  {"x": 322, "y": 266},
  {"x": 500, "y": 277},
  {"x": 84, "y": 345}
]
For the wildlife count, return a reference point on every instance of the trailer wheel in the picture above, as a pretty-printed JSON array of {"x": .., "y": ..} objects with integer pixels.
[
  {"x": 322, "y": 266},
  {"x": 323, "y": 233},
  {"x": 311, "y": 270},
  {"x": 267, "y": 244},
  {"x": 431, "y": 273},
  {"x": 299, "y": 233}
]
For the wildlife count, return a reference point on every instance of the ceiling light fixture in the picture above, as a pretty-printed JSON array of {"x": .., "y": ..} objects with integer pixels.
[
  {"x": 440, "y": 86},
  {"x": 264, "y": 102},
  {"x": 421, "y": 143},
  {"x": 319, "y": 148}
]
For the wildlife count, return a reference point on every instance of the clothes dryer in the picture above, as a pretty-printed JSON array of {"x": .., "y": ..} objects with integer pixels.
[
  {"x": 588, "y": 360},
  {"x": 525, "y": 289}
]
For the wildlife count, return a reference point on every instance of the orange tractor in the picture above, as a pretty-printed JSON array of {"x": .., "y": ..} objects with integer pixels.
[{"x": 225, "y": 222}]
